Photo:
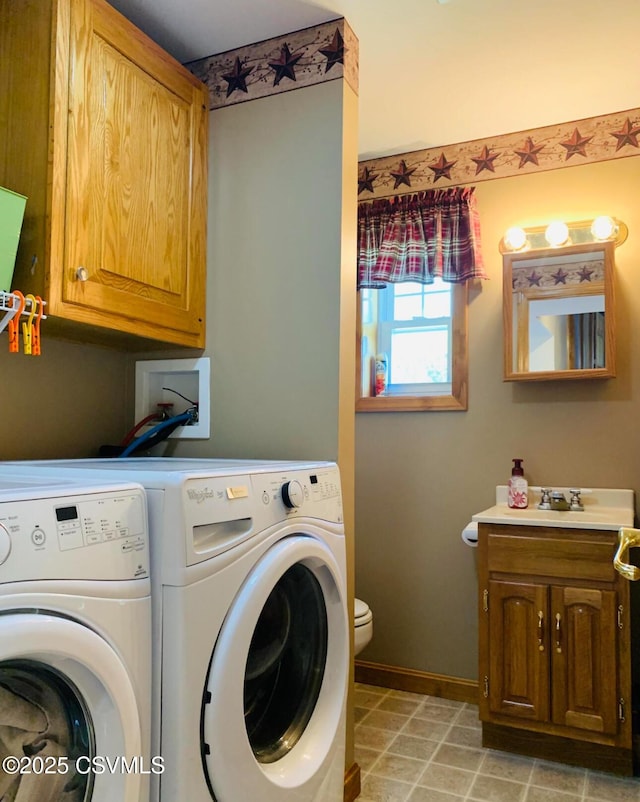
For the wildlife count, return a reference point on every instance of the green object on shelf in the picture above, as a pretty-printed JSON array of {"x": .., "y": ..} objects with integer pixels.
[{"x": 11, "y": 214}]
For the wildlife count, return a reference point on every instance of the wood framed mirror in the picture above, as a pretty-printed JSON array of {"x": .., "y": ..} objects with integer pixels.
[{"x": 559, "y": 313}]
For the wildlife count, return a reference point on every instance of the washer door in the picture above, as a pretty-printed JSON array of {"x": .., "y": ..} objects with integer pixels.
[
  {"x": 272, "y": 715},
  {"x": 66, "y": 699}
]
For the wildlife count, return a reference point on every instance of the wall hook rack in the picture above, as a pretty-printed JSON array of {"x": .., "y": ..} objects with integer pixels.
[{"x": 14, "y": 305}]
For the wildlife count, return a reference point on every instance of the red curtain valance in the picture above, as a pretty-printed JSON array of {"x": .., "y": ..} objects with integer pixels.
[{"x": 418, "y": 237}]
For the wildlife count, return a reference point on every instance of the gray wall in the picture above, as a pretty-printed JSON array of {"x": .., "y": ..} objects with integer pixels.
[
  {"x": 65, "y": 403},
  {"x": 420, "y": 476}
]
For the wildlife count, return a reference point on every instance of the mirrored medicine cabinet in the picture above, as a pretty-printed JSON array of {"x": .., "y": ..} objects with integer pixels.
[{"x": 559, "y": 309}]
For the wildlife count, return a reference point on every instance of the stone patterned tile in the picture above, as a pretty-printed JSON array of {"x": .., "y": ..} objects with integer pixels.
[
  {"x": 608, "y": 788},
  {"x": 373, "y": 738},
  {"x": 461, "y": 757},
  {"x": 381, "y": 789},
  {"x": 493, "y": 789},
  {"x": 421, "y": 794},
  {"x": 359, "y": 713},
  {"x": 469, "y": 717},
  {"x": 363, "y": 697},
  {"x": 438, "y": 700},
  {"x": 395, "y": 704},
  {"x": 555, "y": 775},
  {"x": 418, "y": 697},
  {"x": 506, "y": 766},
  {"x": 464, "y": 736},
  {"x": 386, "y": 721},
  {"x": 535, "y": 794},
  {"x": 398, "y": 767},
  {"x": 364, "y": 757},
  {"x": 423, "y": 728},
  {"x": 437, "y": 712},
  {"x": 409, "y": 746},
  {"x": 447, "y": 778}
]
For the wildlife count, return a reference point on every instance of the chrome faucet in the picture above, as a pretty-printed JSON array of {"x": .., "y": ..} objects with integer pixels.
[{"x": 556, "y": 500}]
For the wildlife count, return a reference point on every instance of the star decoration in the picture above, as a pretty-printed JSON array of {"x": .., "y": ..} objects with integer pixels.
[
  {"x": 560, "y": 277},
  {"x": 366, "y": 182},
  {"x": 576, "y": 144},
  {"x": 403, "y": 175},
  {"x": 238, "y": 78},
  {"x": 441, "y": 168},
  {"x": 335, "y": 52},
  {"x": 585, "y": 274},
  {"x": 534, "y": 279},
  {"x": 485, "y": 160},
  {"x": 529, "y": 152},
  {"x": 627, "y": 136},
  {"x": 284, "y": 66}
]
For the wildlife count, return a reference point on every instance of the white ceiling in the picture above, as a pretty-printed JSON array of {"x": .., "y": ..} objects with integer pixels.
[{"x": 437, "y": 72}]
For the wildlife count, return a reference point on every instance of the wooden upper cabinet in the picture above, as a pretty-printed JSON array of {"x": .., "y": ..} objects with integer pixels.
[{"x": 124, "y": 245}]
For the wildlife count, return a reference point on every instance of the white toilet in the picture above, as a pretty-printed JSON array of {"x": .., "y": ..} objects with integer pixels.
[{"x": 363, "y": 625}]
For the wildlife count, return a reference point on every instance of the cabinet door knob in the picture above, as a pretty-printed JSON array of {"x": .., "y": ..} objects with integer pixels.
[
  {"x": 82, "y": 274},
  {"x": 558, "y": 634}
]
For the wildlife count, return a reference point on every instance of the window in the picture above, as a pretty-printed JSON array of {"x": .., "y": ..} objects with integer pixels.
[{"x": 421, "y": 330}]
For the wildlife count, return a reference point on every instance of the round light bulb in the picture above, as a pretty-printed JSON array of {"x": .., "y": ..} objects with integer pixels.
[
  {"x": 603, "y": 227},
  {"x": 557, "y": 233},
  {"x": 515, "y": 238}
]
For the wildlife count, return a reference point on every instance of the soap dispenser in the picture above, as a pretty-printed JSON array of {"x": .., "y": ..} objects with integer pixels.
[{"x": 518, "y": 487}]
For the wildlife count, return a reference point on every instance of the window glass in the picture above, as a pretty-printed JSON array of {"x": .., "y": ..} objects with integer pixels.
[{"x": 412, "y": 341}]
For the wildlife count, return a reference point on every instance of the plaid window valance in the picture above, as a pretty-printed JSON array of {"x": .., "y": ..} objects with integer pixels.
[{"x": 418, "y": 237}]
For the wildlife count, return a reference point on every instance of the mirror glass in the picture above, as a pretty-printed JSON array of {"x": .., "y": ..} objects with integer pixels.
[{"x": 559, "y": 313}]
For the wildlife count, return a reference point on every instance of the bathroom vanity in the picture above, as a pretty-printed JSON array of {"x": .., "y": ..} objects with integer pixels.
[{"x": 554, "y": 631}]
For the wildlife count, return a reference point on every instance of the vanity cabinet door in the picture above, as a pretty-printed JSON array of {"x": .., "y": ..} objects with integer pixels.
[
  {"x": 584, "y": 664},
  {"x": 518, "y": 678}
]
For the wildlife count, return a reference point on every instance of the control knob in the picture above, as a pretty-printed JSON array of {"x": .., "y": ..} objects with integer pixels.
[
  {"x": 5, "y": 543},
  {"x": 292, "y": 494}
]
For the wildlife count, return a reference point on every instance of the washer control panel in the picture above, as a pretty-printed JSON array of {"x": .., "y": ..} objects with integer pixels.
[{"x": 98, "y": 535}]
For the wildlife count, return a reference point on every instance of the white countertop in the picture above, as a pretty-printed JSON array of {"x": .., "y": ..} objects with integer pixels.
[{"x": 604, "y": 508}]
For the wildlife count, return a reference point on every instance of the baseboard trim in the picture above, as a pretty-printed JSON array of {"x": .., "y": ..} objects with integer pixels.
[
  {"x": 352, "y": 783},
  {"x": 408, "y": 679}
]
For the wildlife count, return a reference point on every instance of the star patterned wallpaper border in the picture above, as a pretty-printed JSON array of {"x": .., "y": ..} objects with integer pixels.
[
  {"x": 594, "y": 139},
  {"x": 295, "y": 60}
]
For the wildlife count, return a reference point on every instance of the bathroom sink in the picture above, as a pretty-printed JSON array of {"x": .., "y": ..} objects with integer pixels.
[{"x": 604, "y": 508}]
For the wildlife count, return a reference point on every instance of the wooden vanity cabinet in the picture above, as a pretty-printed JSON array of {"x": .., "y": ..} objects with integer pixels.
[
  {"x": 554, "y": 638},
  {"x": 106, "y": 135}
]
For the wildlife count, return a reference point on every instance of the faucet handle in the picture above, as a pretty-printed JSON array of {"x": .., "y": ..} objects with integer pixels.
[
  {"x": 576, "y": 503},
  {"x": 545, "y": 499}
]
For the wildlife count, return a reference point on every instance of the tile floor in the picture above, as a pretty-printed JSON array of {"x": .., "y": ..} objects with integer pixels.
[{"x": 413, "y": 748}]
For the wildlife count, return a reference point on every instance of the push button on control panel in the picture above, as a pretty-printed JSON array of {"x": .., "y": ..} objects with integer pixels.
[{"x": 38, "y": 537}]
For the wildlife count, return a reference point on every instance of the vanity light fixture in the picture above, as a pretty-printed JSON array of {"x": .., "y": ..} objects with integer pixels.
[
  {"x": 515, "y": 238},
  {"x": 604, "y": 227},
  {"x": 558, "y": 234}
]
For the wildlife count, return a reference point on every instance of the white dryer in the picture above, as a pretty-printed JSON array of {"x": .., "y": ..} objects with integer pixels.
[
  {"x": 251, "y": 626},
  {"x": 75, "y": 641}
]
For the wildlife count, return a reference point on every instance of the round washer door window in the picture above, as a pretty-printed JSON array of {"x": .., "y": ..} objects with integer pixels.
[
  {"x": 274, "y": 702},
  {"x": 65, "y": 697}
]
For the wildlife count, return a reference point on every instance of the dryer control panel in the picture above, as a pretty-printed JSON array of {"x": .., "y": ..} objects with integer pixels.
[
  {"x": 91, "y": 536},
  {"x": 220, "y": 512}
]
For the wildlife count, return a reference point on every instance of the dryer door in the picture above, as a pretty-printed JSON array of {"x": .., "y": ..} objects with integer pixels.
[
  {"x": 273, "y": 712},
  {"x": 66, "y": 706}
]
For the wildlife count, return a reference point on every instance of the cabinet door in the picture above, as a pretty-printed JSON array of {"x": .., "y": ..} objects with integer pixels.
[
  {"x": 518, "y": 650},
  {"x": 584, "y": 659},
  {"x": 135, "y": 182}
]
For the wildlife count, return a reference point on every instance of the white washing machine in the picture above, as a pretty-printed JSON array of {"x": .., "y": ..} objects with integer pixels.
[
  {"x": 75, "y": 641},
  {"x": 250, "y": 626}
]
